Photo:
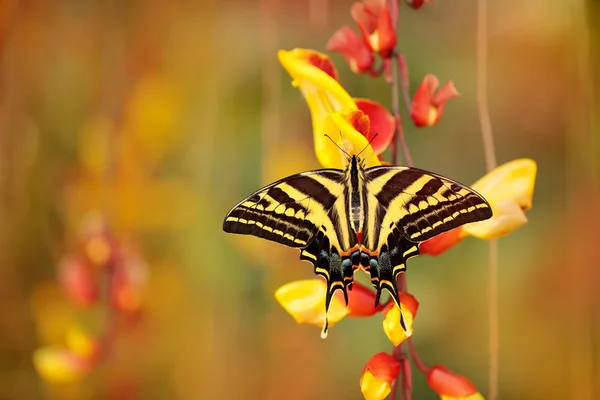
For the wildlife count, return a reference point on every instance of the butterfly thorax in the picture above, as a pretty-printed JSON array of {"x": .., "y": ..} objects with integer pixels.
[{"x": 354, "y": 196}]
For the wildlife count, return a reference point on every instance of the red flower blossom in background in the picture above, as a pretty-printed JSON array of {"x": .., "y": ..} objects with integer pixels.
[
  {"x": 416, "y": 4},
  {"x": 378, "y": 375},
  {"x": 428, "y": 104},
  {"x": 376, "y": 25},
  {"x": 77, "y": 280},
  {"x": 350, "y": 45}
]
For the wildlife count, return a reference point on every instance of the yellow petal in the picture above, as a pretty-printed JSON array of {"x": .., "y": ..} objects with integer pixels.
[
  {"x": 373, "y": 388},
  {"x": 507, "y": 217},
  {"x": 305, "y": 301},
  {"x": 57, "y": 365},
  {"x": 514, "y": 181},
  {"x": 509, "y": 190},
  {"x": 323, "y": 95},
  {"x": 80, "y": 342},
  {"x": 392, "y": 327},
  {"x": 352, "y": 141}
]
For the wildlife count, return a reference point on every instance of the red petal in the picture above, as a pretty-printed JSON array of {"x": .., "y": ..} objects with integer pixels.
[
  {"x": 439, "y": 244},
  {"x": 353, "y": 48},
  {"x": 76, "y": 279},
  {"x": 361, "y": 301},
  {"x": 444, "y": 382},
  {"x": 382, "y": 124},
  {"x": 407, "y": 300},
  {"x": 439, "y": 99},
  {"x": 360, "y": 121},
  {"x": 383, "y": 366},
  {"x": 365, "y": 15},
  {"x": 323, "y": 63},
  {"x": 387, "y": 33},
  {"x": 422, "y": 100}
]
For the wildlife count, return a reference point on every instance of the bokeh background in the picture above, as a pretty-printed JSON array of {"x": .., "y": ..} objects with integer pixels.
[{"x": 158, "y": 116}]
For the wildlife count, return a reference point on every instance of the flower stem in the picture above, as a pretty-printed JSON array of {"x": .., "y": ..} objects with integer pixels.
[
  {"x": 490, "y": 161},
  {"x": 404, "y": 82},
  {"x": 415, "y": 357},
  {"x": 399, "y": 133}
]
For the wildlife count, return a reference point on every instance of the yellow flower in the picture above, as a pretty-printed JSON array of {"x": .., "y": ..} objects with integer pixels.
[
  {"x": 333, "y": 111},
  {"x": 509, "y": 190},
  {"x": 57, "y": 364},
  {"x": 305, "y": 301},
  {"x": 81, "y": 342},
  {"x": 391, "y": 323}
]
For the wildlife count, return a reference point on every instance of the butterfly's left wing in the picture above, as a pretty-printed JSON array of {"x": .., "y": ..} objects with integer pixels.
[
  {"x": 290, "y": 211},
  {"x": 408, "y": 206}
]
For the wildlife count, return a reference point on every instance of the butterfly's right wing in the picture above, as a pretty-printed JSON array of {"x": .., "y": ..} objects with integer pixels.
[{"x": 290, "y": 211}]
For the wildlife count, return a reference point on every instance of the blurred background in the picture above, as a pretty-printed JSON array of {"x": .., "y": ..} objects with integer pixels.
[{"x": 129, "y": 128}]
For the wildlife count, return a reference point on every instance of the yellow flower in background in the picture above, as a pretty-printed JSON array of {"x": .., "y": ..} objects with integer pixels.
[
  {"x": 509, "y": 190},
  {"x": 334, "y": 112},
  {"x": 305, "y": 301},
  {"x": 68, "y": 363},
  {"x": 81, "y": 343},
  {"x": 57, "y": 364}
]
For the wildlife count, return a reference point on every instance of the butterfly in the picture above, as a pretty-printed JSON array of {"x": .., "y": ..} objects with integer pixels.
[{"x": 357, "y": 218}]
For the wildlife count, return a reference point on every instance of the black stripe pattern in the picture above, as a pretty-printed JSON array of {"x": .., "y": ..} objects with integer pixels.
[{"x": 287, "y": 211}]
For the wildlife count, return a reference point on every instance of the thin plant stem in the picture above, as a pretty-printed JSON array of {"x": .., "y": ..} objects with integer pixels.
[
  {"x": 493, "y": 318},
  {"x": 399, "y": 133},
  {"x": 404, "y": 81},
  {"x": 482, "y": 95},
  {"x": 490, "y": 161},
  {"x": 415, "y": 357}
]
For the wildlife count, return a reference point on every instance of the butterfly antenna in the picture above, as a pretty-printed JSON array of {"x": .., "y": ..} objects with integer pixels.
[
  {"x": 368, "y": 144},
  {"x": 336, "y": 145}
]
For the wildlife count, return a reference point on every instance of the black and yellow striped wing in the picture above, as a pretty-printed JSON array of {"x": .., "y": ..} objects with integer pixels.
[
  {"x": 419, "y": 203},
  {"x": 290, "y": 211}
]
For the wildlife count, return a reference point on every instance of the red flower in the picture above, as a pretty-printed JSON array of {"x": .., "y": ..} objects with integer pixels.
[
  {"x": 77, "y": 280},
  {"x": 351, "y": 46},
  {"x": 361, "y": 301},
  {"x": 416, "y": 4},
  {"x": 450, "y": 385},
  {"x": 378, "y": 375},
  {"x": 375, "y": 23},
  {"x": 428, "y": 104}
]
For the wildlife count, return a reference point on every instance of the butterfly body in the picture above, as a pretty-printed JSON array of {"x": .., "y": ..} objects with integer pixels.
[{"x": 357, "y": 218}]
